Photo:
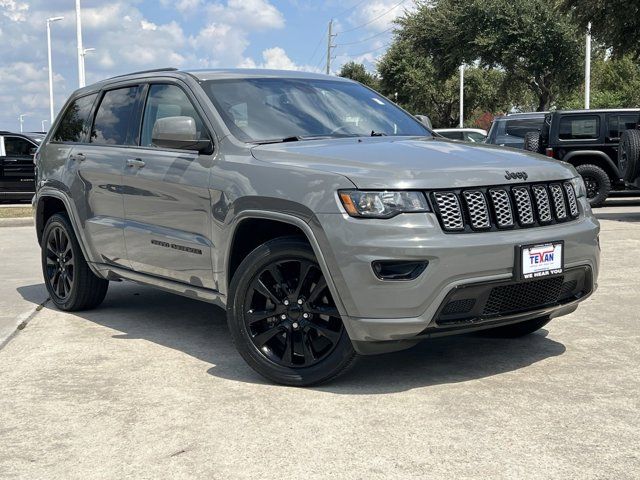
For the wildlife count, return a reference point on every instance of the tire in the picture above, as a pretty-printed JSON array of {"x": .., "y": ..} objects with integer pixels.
[
  {"x": 598, "y": 184},
  {"x": 71, "y": 284},
  {"x": 266, "y": 320},
  {"x": 629, "y": 155},
  {"x": 516, "y": 330},
  {"x": 532, "y": 142}
]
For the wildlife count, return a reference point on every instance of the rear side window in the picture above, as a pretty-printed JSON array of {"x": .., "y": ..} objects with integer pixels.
[
  {"x": 114, "y": 115},
  {"x": 619, "y": 124},
  {"x": 17, "y": 147},
  {"x": 453, "y": 135},
  {"x": 168, "y": 101},
  {"x": 74, "y": 125},
  {"x": 585, "y": 127}
]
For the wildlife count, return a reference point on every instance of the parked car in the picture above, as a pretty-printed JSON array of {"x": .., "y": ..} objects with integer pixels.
[
  {"x": 16, "y": 164},
  {"x": 588, "y": 140},
  {"x": 509, "y": 130},
  {"x": 473, "y": 135},
  {"x": 325, "y": 219}
]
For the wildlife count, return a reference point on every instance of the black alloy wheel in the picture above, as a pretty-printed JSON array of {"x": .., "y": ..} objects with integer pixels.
[
  {"x": 60, "y": 263},
  {"x": 283, "y": 318},
  {"x": 290, "y": 315}
]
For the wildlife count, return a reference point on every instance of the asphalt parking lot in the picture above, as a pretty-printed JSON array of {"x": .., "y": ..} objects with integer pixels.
[{"x": 148, "y": 386}]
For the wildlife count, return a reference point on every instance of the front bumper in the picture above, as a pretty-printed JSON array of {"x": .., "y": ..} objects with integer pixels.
[{"x": 387, "y": 311}]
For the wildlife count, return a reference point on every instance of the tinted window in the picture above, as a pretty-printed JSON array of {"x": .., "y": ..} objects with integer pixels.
[
  {"x": 263, "y": 109},
  {"x": 168, "y": 101},
  {"x": 114, "y": 116},
  {"x": 619, "y": 124},
  {"x": 74, "y": 125},
  {"x": 585, "y": 127},
  {"x": 475, "y": 137},
  {"x": 453, "y": 135},
  {"x": 18, "y": 147},
  {"x": 511, "y": 130}
]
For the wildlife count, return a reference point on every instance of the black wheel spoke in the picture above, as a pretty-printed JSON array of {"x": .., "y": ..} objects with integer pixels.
[
  {"x": 317, "y": 290},
  {"x": 254, "y": 316},
  {"x": 263, "y": 290},
  {"x": 267, "y": 335},
  {"x": 305, "y": 268},
  {"x": 287, "y": 356},
  {"x": 277, "y": 276},
  {"x": 329, "y": 310},
  {"x": 329, "y": 334},
  {"x": 59, "y": 262}
]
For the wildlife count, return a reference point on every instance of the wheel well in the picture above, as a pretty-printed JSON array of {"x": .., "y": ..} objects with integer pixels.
[
  {"x": 253, "y": 232},
  {"x": 47, "y": 206},
  {"x": 598, "y": 162}
]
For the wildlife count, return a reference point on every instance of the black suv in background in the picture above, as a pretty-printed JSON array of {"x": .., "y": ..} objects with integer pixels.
[
  {"x": 510, "y": 130},
  {"x": 588, "y": 140},
  {"x": 16, "y": 164}
]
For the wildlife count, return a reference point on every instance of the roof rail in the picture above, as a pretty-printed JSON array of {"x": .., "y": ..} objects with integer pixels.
[{"x": 168, "y": 69}]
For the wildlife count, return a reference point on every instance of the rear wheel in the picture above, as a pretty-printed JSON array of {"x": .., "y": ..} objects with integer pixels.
[
  {"x": 70, "y": 282},
  {"x": 629, "y": 155},
  {"x": 597, "y": 182},
  {"x": 282, "y": 317},
  {"x": 517, "y": 329}
]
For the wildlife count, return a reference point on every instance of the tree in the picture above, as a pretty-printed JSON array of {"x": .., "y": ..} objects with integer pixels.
[
  {"x": 357, "y": 71},
  {"x": 419, "y": 88},
  {"x": 527, "y": 39},
  {"x": 615, "y": 23}
]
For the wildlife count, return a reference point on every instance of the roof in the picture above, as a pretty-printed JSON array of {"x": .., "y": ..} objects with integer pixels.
[
  {"x": 229, "y": 73},
  {"x": 601, "y": 110}
]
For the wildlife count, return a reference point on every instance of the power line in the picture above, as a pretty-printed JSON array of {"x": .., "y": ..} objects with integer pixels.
[
  {"x": 315, "y": 50},
  {"x": 373, "y": 19},
  {"x": 369, "y": 51},
  {"x": 366, "y": 39},
  {"x": 350, "y": 9}
]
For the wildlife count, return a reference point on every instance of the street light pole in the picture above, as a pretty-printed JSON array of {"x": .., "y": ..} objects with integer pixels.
[
  {"x": 42, "y": 125},
  {"x": 462, "y": 96},
  {"x": 587, "y": 70},
  {"x": 81, "y": 81},
  {"x": 49, "y": 22},
  {"x": 21, "y": 118}
]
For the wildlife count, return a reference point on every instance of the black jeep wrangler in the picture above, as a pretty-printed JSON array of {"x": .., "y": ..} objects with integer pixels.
[{"x": 589, "y": 140}]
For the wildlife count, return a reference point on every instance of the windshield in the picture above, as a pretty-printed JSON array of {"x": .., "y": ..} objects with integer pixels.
[{"x": 273, "y": 109}]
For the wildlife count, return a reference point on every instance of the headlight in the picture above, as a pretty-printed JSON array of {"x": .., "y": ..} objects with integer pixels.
[
  {"x": 579, "y": 186},
  {"x": 385, "y": 204}
]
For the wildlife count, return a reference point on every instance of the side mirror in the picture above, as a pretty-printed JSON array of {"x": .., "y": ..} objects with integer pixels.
[
  {"x": 425, "y": 120},
  {"x": 179, "y": 133},
  {"x": 33, "y": 150}
]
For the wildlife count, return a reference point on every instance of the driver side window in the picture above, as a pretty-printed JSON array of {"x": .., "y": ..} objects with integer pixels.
[{"x": 165, "y": 101}]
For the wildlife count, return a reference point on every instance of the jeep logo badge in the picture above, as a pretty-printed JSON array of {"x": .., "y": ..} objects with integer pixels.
[{"x": 515, "y": 175}]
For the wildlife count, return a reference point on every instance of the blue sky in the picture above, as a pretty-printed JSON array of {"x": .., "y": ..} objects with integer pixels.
[{"x": 131, "y": 35}]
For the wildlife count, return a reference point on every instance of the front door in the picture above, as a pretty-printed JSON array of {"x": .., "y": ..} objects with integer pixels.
[
  {"x": 17, "y": 165},
  {"x": 166, "y": 197}
]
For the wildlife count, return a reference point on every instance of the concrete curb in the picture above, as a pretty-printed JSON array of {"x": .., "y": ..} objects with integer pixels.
[
  {"x": 21, "y": 323},
  {"x": 16, "y": 222}
]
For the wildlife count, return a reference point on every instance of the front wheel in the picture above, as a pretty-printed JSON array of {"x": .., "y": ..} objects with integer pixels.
[
  {"x": 282, "y": 317},
  {"x": 597, "y": 182}
]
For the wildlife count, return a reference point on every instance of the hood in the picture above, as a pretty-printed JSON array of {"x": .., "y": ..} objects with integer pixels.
[{"x": 415, "y": 162}]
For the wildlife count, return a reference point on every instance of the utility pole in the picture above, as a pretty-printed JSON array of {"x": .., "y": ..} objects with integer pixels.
[
  {"x": 587, "y": 70},
  {"x": 330, "y": 46},
  {"x": 462, "y": 95},
  {"x": 42, "y": 125},
  {"x": 49, "y": 22},
  {"x": 81, "y": 80}
]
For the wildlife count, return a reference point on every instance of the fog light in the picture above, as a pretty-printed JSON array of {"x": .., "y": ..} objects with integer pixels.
[{"x": 398, "y": 270}]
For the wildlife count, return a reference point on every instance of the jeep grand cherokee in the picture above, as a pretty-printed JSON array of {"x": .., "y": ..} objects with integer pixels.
[{"x": 325, "y": 219}]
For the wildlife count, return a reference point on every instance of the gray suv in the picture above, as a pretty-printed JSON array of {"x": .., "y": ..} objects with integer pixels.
[{"x": 325, "y": 219}]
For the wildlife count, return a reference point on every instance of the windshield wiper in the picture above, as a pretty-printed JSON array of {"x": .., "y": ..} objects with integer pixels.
[
  {"x": 378, "y": 134},
  {"x": 279, "y": 140}
]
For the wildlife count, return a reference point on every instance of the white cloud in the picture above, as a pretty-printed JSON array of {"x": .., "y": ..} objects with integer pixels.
[
  {"x": 247, "y": 14},
  {"x": 378, "y": 15},
  {"x": 13, "y": 10}
]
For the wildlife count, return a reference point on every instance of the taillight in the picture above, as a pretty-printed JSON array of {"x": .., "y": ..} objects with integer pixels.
[{"x": 549, "y": 152}]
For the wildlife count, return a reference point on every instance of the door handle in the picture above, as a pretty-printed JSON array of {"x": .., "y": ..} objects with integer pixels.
[
  {"x": 135, "y": 162},
  {"x": 80, "y": 157}
]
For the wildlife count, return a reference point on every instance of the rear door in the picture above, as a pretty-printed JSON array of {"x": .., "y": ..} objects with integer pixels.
[
  {"x": 166, "y": 196},
  {"x": 17, "y": 165}
]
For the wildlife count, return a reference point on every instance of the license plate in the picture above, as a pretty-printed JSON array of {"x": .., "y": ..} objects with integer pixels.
[{"x": 541, "y": 260}]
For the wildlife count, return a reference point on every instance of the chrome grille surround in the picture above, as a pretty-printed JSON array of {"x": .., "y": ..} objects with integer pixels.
[
  {"x": 477, "y": 208},
  {"x": 450, "y": 211},
  {"x": 502, "y": 207},
  {"x": 559, "y": 206},
  {"x": 573, "y": 201},
  {"x": 523, "y": 205},
  {"x": 542, "y": 203}
]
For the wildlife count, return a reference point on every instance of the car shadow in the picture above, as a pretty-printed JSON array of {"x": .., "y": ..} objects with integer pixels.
[{"x": 200, "y": 330}]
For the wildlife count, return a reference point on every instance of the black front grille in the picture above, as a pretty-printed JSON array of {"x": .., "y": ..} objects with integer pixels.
[
  {"x": 505, "y": 207},
  {"x": 523, "y": 296}
]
